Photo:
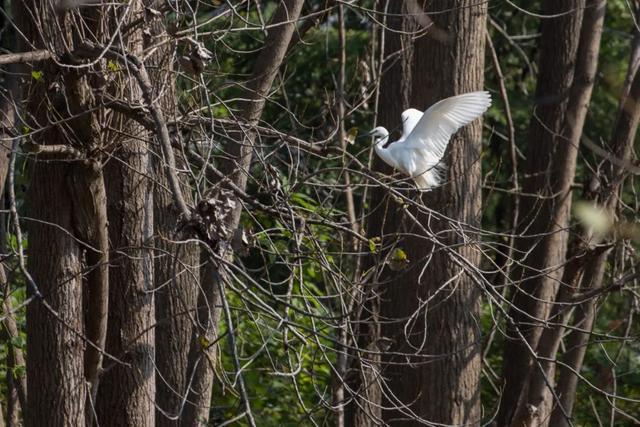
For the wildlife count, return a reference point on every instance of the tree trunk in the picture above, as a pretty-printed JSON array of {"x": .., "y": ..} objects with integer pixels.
[
  {"x": 176, "y": 264},
  {"x": 536, "y": 407},
  {"x": 621, "y": 145},
  {"x": 204, "y": 352},
  {"x": 236, "y": 167},
  {"x": 549, "y": 171},
  {"x": 55, "y": 322},
  {"x": 127, "y": 391},
  {"x": 440, "y": 384},
  {"x": 394, "y": 97},
  {"x": 57, "y": 393}
]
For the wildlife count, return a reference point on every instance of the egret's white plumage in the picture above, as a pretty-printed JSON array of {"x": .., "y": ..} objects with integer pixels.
[{"x": 425, "y": 136}]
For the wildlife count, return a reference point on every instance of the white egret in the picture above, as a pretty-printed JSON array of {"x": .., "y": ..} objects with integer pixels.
[{"x": 425, "y": 136}]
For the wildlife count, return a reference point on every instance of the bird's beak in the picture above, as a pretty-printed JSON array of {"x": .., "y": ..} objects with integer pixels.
[{"x": 370, "y": 133}]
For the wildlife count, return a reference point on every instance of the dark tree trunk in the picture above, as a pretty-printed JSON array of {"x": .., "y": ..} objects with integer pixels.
[
  {"x": 57, "y": 393},
  {"x": 549, "y": 171},
  {"x": 441, "y": 385},
  {"x": 55, "y": 346},
  {"x": 535, "y": 405},
  {"x": 621, "y": 144},
  {"x": 394, "y": 98}
]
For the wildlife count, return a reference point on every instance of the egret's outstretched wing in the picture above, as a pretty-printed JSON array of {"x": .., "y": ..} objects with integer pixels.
[
  {"x": 410, "y": 119},
  {"x": 434, "y": 130}
]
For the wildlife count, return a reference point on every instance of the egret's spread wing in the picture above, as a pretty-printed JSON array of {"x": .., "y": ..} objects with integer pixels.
[
  {"x": 434, "y": 130},
  {"x": 410, "y": 119}
]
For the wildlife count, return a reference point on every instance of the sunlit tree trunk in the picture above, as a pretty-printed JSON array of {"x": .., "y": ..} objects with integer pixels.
[
  {"x": 176, "y": 270},
  {"x": 126, "y": 395}
]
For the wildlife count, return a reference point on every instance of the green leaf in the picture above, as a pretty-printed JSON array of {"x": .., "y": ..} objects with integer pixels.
[
  {"x": 351, "y": 135},
  {"x": 113, "y": 66},
  {"x": 374, "y": 243},
  {"x": 203, "y": 341},
  {"x": 37, "y": 75},
  {"x": 398, "y": 260}
]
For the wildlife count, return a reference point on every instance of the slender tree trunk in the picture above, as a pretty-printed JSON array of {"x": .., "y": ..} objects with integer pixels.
[
  {"x": 176, "y": 264},
  {"x": 535, "y": 408},
  {"x": 237, "y": 167},
  {"x": 440, "y": 382},
  {"x": 549, "y": 172},
  {"x": 127, "y": 391},
  {"x": 10, "y": 95},
  {"x": 201, "y": 368},
  {"x": 364, "y": 375},
  {"x": 621, "y": 145}
]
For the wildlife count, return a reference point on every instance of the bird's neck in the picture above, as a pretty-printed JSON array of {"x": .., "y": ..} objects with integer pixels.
[
  {"x": 384, "y": 152},
  {"x": 383, "y": 139}
]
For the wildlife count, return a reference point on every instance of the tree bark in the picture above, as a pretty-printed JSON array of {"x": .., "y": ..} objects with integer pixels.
[
  {"x": 621, "y": 144},
  {"x": 394, "y": 97},
  {"x": 176, "y": 273},
  {"x": 535, "y": 408},
  {"x": 55, "y": 322},
  {"x": 438, "y": 379},
  {"x": 236, "y": 168},
  {"x": 204, "y": 349},
  {"x": 57, "y": 392},
  {"x": 546, "y": 200},
  {"x": 127, "y": 391}
]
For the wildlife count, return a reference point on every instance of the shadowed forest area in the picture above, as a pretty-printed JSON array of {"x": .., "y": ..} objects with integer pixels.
[{"x": 196, "y": 228}]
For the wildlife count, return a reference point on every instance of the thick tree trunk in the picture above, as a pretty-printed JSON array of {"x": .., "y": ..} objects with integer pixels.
[
  {"x": 176, "y": 278},
  {"x": 127, "y": 391},
  {"x": 57, "y": 393},
  {"x": 546, "y": 200},
  {"x": 441, "y": 385},
  {"x": 55, "y": 346}
]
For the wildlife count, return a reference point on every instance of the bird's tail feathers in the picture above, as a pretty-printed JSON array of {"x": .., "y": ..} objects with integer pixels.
[{"x": 430, "y": 179}]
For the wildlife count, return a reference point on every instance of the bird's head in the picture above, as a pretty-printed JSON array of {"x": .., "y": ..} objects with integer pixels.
[{"x": 380, "y": 134}]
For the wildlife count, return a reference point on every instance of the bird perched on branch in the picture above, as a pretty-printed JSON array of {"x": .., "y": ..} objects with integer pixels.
[{"x": 425, "y": 136}]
